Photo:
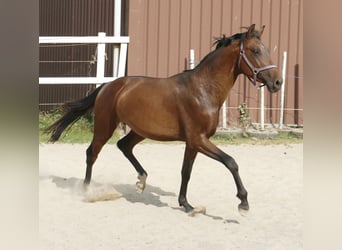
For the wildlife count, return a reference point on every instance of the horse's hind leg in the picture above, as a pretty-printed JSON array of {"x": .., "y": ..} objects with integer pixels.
[
  {"x": 126, "y": 145},
  {"x": 103, "y": 130}
]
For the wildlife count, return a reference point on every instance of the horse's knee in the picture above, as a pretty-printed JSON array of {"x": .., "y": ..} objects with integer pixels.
[
  {"x": 231, "y": 164},
  {"x": 186, "y": 172}
]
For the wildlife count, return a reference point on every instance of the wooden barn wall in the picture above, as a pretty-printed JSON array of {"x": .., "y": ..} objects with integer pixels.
[
  {"x": 73, "y": 18},
  {"x": 163, "y": 31}
]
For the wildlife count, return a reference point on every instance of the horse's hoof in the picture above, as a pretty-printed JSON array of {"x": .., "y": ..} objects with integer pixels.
[
  {"x": 243, "y": 209},
  {"x": 85, "y": 186},
  {"x": 197, "y": 210},
  {"x": 141, "y": 184}
]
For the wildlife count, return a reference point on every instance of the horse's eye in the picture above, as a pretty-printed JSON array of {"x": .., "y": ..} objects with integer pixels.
[{"x": 256, "y": 51}]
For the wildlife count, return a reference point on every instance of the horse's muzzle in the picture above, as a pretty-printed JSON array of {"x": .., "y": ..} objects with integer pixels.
[{"x": 274, "y": 86}]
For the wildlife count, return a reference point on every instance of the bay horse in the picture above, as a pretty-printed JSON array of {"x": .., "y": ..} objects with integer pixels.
[{"x": 183, "y": 107}]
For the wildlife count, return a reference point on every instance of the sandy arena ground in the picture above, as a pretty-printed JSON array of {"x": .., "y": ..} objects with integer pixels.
[{"x": 271, "y": 174}]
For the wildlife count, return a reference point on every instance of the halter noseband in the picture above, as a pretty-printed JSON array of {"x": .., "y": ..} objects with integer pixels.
[{"x": 255, "y": 70}]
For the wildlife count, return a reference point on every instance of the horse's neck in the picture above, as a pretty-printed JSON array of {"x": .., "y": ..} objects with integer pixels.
[{"x": 217, "y": 73}]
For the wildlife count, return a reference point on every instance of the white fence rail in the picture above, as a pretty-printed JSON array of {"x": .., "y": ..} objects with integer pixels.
[{"x": 101, "y": 40}]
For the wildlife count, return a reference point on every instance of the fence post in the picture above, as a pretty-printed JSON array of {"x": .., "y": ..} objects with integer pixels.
[
  {"x": 122, "y": 60},
  {"x": 282, "y": 96},
  {"x": 192, "y": 59},
  {"x": 117, "y": 32},
  {"x": 101, "y": 56},
  {"x": 262, "y": 109},
  {"x": 224, "y": 114}
]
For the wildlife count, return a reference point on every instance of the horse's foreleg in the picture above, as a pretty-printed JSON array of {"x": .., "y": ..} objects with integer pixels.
[
  {"x": 209, "y": 149},
  {"x": 126, "y": 145},
  {"x": 189, "y": 157}
]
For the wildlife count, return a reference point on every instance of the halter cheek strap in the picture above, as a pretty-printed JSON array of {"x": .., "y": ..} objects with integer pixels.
[{"x": 255, "y": 70}]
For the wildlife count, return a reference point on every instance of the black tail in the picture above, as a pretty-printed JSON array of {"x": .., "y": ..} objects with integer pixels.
[{"x": 72, "y": 112}]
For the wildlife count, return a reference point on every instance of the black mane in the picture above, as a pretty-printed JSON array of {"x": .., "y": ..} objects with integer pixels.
[{"x": 225, "y": 41}]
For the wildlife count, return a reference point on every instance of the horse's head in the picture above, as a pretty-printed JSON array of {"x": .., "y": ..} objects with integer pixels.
[{"x": 255, "y": 61}]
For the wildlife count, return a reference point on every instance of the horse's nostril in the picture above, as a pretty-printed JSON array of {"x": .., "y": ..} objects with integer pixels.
[{"x": 278, "y": 83}]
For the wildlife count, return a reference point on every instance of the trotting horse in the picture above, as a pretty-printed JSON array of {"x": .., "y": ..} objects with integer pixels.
[{"x": 184, "y": 107}]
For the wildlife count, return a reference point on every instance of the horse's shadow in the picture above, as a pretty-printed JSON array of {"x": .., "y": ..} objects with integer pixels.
[
  {"x": 151, "y": 195},
  {"x": 74, "y": 185}
]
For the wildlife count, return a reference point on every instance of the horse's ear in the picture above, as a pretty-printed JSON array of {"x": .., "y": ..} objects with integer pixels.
[
  {"x": 261, "y": 31},
  {"x": 250, "y": 31}
]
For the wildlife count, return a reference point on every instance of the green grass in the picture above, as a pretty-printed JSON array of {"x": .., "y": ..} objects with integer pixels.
[
  {"x": 282, "y": 138},
  {"x": 82, "y": 132}
]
